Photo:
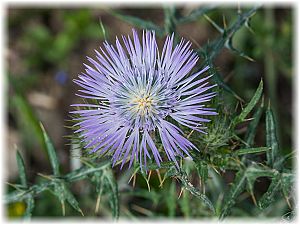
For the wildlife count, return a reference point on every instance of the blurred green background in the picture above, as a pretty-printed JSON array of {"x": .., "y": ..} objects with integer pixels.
[{"x": 45, "y": 51}]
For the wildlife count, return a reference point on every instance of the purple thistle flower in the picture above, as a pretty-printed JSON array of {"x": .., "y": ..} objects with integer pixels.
[{"x": 138, "y": 91}]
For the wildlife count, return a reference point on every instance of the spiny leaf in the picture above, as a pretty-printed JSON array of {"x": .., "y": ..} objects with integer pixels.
[
  {"x": 138, "y": 22},
  {"x": 250, "y": 106},
  {"x": 63, "y": 193},
  {"x": 194, "y": 191},
  {"x": 51, "y": 152},
  {"x": 84, "y": 171},
  {"x": 271, "y": 138},
  {"x": 213, "y": 48},
  {"x": 111, "y": 183},
  {"x": 97, "y": 179},
  {"x": 75, "y": 175},
  {"x": 270, "y": 196},
  {"x": 29, "y": 200},
  {"x": 255, "y": 171},
  {"x": 21, "y": 168},
  {"x": 244, "y": 151},
  {"x": 237, "y": 187},
  {"x": 251, "y": 131},
  {"x": 195, "y": 14}
]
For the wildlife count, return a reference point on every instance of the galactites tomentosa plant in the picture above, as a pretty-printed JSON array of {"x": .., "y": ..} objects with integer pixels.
[{"x": 140, "y": 91}]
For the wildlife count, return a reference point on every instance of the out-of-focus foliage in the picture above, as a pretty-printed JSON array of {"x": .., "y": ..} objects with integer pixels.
[{"x": 244, "y": 166}]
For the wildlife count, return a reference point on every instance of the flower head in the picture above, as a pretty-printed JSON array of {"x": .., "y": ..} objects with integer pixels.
[{"x": 141, "y": 92}]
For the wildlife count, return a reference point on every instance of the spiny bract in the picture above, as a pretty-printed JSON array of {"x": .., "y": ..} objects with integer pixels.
[{"x": 138, "y": 92}]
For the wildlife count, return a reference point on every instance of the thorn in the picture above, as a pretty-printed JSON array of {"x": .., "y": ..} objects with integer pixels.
[
  {"x": 288, "y": 202},
  {"x": 134, "y": 173},
  {"x": 158, "y": 175},
  {"x": 214, "y": 24},
  {"x": 148, "y": 185},
  {"x": 45, "y": 176},
  {"x": 249, "y": 119},
  {"x": 160, "y": 185},
  {"x": 189, "y": 135},
  {"x": 97, "y": 204},
  {"x": 134, "y": 178},
  {"x": 215, "y": 170},
  {"x": 180, "y": 193},
  {"x": 249, "y": 58},
  {"x": 253, "y": 198},
  {"x": 63, "y": 207},
  {"x": 81, "y": 212},
  {"x": 224, "y": 22},
  {"x": 12, "y": 185},
  {"x": 42, "y": 127},
  {"x": 149, "y": 175}
]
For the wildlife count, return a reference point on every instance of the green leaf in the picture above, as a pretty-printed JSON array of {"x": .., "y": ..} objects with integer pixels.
[
  {"x": 251, "y": 131},
  {"x": 29, "y": 200},
  {"x": 138, "y": 22},
  {"x": 213, "y": 48},
  {"x": 237, "y": 187},
  {"x": 63, "y": 193},
  {"x": 271, "y": 138},
  {"x": 270, "y": 196},
  {"x": 250, "y": 106},
  {"x": 51, "y": 152},
  {"x": 244, "y": 151},
  {"x": 111, "y": 183},
  {"x": 83, "y": 172},
  {"x": 255, "y": 171},
  {"x": 21, "y": 168},
  {"x": 194, "y": 191}
]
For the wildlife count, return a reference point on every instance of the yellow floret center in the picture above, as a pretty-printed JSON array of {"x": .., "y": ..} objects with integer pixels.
[{"x": 143, "y": 104}]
